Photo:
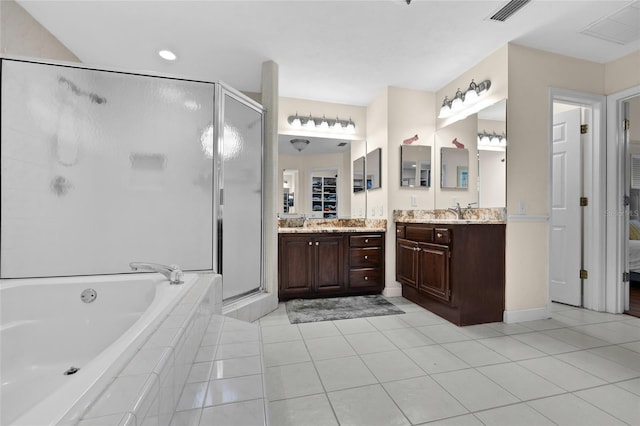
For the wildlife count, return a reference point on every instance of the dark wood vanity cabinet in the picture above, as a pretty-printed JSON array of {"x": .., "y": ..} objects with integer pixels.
[
  {"x": 330, "y": 264},
  {"x": 455, "y": 271}
]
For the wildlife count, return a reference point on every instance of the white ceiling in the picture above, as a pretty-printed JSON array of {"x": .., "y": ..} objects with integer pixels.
[{"x": 334, "y": 51}]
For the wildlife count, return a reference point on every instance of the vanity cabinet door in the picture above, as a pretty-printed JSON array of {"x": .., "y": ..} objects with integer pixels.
[
  {"x": 296, "y": 267},
  {"x": 330, "y": 263},
  {"x": 407, "y": 262},
  {"x": 434, "y": 270}
]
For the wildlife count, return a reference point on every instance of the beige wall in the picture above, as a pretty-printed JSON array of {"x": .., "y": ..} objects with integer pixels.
[
  {"x": 531, "y": 74},
  {"x": 623, "y": 73},
  {"x": 21, "y": 35},
  {"x": 411, "y": 112}
]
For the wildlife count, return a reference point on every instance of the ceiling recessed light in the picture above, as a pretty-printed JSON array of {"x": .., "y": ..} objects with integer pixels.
[{"x": 167, "y": 54}]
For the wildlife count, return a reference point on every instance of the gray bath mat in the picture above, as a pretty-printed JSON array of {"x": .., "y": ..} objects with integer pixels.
[{"x": 337, "y": 308}]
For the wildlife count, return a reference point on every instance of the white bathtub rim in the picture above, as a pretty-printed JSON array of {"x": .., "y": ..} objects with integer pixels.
[{"x": 57, "y": 406}]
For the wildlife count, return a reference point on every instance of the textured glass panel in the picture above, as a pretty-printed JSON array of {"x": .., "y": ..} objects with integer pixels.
[
  {"x": 242, "y": 214},
  {"x": 100, "y": 169}
]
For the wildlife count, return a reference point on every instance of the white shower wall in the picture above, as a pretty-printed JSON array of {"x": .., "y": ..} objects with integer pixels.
[{"x": 100, "y": 169}]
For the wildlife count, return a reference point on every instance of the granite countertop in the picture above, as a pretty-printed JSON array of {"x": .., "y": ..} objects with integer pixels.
[
  {"x": 301, "y": 226},
  {"x": 469, "y": 216}
]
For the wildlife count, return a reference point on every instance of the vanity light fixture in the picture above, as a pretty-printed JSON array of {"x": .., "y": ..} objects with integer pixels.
[
  {"x": 167, "y": 55},
  {"x": 324, "y": 124},
  {"x": 462, "y": 100},
  {"x": 492, "y": 139},
  {"x": 299, "y": 144}
]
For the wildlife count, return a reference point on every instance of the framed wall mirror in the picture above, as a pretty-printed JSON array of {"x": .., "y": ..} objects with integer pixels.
[
  {"x": 415, "y": 170},
  {"x": 373, "y": 169},
  {"x": 358, "y": 174},
  {"x": 454, "y": 168}
]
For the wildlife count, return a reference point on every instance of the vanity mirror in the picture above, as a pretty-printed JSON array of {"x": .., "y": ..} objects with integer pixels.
[
  {"x": 472, "y": 160},
  {"x": 454, "y": 168},
  {"x": 415, "y": 170},
  {"x": 316, "y": 177},
  {"x": 373, "y": 169}
]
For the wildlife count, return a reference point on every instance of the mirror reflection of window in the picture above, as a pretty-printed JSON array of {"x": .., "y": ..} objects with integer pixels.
[{"x": 416, "y": 166}]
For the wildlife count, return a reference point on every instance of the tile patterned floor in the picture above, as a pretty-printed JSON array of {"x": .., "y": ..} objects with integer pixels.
[{"x": 579, "y": 368}]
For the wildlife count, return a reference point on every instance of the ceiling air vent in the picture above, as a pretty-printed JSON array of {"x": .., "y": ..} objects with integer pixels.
[
  {"x": 508, "y": 9},
  {"x": 342, "y": 144}
]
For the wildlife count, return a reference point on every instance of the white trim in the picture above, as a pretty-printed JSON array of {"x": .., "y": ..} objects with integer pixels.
[
  {"x": 526, "y": 315},
  {"x": 615, "y": 291},
  {"x": 594, "y": 187},
  {"x": 392, "y": 291},
  {"x": 526, "y": 218}
]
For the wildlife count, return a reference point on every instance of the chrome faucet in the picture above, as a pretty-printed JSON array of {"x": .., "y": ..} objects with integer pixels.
[
  {"x": 172, "y": 272},
  {"x": 457, "y": 210}
]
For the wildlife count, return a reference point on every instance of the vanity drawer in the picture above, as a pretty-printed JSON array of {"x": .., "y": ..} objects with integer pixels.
[
  {"x": 365, "y": 241},
  {"x": 400, "y": 231},
  {"x": 364, "y": 257},
  {"x": 368, "y": 277},
  {"x": 419, "y": 233},
  {"x": 442, "y": 235}
]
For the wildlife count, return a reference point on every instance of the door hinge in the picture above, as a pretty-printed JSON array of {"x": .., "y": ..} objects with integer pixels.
[
  {"x": 584, "y": 201},
  {"x": 584, "y": 274},
  {"x": 584, "y": 128},
  {"x": 626, "y": 124},
  {"x": 626, "y": 200},
  {"x": 626, "y": 277}
]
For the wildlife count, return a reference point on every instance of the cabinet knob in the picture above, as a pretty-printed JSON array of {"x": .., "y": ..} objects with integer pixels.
[
  {"x": 317, "y": 243},
  {"x": 310, "y": 243},
  {"x": 439, "y": 235},
  {"x": 366, "y": 257},
  {"x": 366, "y": 278},
  {"x": 366, "y": 241}
]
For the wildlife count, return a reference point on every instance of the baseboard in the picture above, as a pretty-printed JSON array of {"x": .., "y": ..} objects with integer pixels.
[
  {"x": 526, "y": 315},
  {"x": 392, "y": 291}
]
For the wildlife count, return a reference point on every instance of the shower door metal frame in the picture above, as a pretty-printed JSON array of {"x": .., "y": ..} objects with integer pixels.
[{"x": 222, "y": 90}]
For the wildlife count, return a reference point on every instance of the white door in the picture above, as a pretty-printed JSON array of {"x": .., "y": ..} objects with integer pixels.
[{"x": 566, "y": 221}]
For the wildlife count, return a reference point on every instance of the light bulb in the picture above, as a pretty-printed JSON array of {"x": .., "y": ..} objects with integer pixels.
[
  {"x": 324, "y": 124},
  {"x": 167, "y": 55},
  {"x": 351, "y": 127},
  {"x": 337, "y": 125}
]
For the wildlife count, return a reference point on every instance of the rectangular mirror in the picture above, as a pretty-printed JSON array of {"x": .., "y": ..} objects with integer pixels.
[
  {"x": 358, "y": 174},
  {"x": 415, "y": 168},
  {"x": 454, "y": 168},
  {"x": 373, "y": 169}
]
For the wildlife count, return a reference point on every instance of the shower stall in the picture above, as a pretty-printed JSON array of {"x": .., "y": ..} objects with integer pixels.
[{"x": 104, "y": 167}]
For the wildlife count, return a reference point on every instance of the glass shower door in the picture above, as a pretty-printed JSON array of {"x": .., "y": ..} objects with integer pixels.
[{"x": 240, "y": 151}]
